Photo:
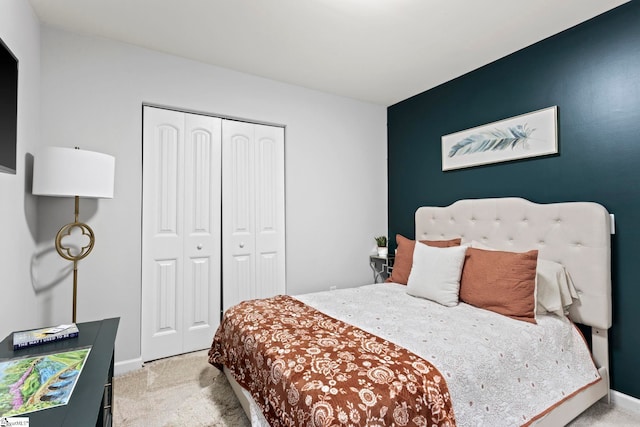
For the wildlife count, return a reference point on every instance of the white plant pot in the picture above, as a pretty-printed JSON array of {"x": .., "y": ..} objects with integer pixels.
[{"x": 383, "y": 251}]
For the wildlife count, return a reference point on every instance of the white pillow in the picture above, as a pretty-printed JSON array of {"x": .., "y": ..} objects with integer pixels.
[
  {"x": 555, "y": 291},
  {"x": 435, "y": 273}
]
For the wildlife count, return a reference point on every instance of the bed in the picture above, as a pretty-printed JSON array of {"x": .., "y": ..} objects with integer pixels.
[{"x": 551, "y": 376}]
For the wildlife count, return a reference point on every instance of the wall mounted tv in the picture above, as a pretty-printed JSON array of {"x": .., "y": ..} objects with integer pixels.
[{"x": 8, "y": 109}]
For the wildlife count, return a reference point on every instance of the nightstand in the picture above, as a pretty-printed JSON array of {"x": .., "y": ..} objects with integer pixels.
[
  {"x": 90, "y": 403},
  {"x": 381, "y": 266}
]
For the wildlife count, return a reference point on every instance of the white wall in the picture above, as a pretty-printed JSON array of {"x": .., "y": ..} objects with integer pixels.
[
  {"x": 336, "y": 183},
  {"x": 21, "y": 305}
]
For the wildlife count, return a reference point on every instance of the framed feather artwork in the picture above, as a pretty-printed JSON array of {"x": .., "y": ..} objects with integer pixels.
[{"x": 528, "y": 135}]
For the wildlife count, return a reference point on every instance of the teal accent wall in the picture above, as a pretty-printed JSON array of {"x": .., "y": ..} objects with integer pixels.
[{"x": 592, "y": 73}]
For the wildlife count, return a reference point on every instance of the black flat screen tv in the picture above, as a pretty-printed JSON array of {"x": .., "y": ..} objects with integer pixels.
[{"x": 8, "y": 109}]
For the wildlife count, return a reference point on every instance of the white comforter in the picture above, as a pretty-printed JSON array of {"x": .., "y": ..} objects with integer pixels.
[{"x": 500, "y": 371}]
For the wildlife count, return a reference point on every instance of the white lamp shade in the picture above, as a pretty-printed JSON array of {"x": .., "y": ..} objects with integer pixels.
[{"x": 69, "y": 172}]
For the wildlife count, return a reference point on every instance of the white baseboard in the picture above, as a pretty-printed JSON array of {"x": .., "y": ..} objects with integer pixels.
[
  {"x": 125, "y": 366},
  {"x": 625, "y": 402}
]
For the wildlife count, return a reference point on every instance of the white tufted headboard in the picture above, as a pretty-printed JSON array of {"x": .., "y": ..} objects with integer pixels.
[{"x": 575, "y": 234}]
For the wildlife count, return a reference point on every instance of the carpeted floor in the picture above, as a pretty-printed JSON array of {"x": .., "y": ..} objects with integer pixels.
[
  {"x": 177, "y": 391},
  {"x": 186, "y": 391}
]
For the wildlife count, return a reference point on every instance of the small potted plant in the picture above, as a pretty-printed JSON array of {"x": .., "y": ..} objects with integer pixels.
[{"x": 381, "y": 241}]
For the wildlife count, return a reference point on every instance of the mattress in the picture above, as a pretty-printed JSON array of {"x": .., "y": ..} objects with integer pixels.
[{"x": 500, "y": 371}]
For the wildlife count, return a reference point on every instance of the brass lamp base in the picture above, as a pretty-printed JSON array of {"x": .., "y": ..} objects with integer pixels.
[{"x": 71, "y": 253}]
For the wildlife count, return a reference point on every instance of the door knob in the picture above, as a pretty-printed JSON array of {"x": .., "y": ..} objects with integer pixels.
[
  {"x": 241, "y": 244},
  {"x": 199, "y": 247}
]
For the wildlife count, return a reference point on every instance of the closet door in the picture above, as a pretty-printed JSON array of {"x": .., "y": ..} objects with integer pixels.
[
  {"x": 202, "y": 233},
  {"x": 270, "y": 221},
  {"x": 238, "y": 213},
  {"x": 180, "y": 233},
  {"x": 253, "y": 212}
]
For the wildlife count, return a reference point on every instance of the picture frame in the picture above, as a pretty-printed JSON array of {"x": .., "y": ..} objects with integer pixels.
[{"x": 527, "y": 135}]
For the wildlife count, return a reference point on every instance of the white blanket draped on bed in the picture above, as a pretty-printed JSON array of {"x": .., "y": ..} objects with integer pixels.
[{"x": 500, "y": 371}]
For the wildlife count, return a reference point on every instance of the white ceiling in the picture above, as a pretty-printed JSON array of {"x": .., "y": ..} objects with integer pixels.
[{"x": 380, "y": 51}]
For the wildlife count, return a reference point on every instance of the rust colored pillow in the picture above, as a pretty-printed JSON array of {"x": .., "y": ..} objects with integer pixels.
[
  {"x": 404, "y": 256},
  {"x": 504, "y": 282}
]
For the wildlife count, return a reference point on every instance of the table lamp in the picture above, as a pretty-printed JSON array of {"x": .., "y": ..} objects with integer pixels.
[{"x": 69, "y": 172}]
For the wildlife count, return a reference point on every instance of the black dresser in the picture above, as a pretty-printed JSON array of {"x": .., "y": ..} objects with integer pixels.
[{"x": 90, "y": 403}]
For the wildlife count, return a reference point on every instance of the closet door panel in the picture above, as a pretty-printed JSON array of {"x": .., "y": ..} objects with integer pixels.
[
  {"x": 162, "y": 233},
  {"x": 243, "y": 279},
  {"x": 270, "y": 220},
  {"x": 238, "y": 212},
  {"x": 164, "y": 292},
  {"x": 181, "y": 231},
  {"x": 269, "y": 281},
  {"x": 202, "y": 229}
]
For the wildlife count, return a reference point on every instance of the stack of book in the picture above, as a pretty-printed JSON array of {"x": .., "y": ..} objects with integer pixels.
[{"x": 33, "y": 337}]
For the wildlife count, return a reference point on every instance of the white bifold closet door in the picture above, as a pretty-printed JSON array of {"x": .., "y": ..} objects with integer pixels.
[
  {"x": 213, "y": 230},
  {"x": 181, "y": 232},
  {"x": 253, "y": 254}
]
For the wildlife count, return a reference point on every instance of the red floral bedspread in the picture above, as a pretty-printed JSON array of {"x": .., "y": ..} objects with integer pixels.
[{"x": 304, "y": 368}]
